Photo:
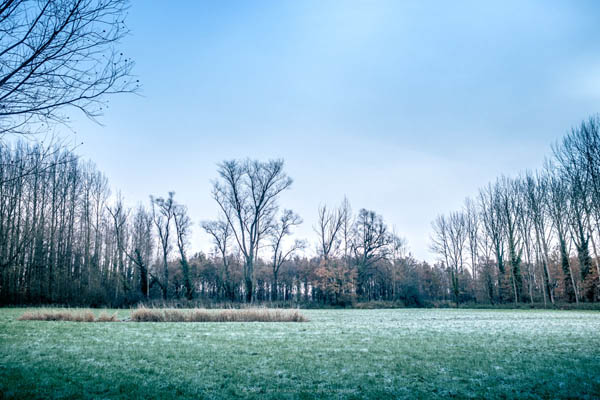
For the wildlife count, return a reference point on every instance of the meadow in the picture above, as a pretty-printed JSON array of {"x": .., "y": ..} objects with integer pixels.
[{"x": 401, "y": 353}]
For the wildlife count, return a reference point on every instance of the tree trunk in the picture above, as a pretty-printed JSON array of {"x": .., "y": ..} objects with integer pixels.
[
  {"x": 165, "y": 287},
  {"x": 249, "y": 272},
  {"x": 274, "y": 287},
  {"x": 566, "y": 268},
  {"x": 187, "y": 283}
]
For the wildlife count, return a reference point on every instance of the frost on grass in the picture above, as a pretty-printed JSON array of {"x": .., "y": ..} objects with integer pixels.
[{"x": 350, "y": 353}]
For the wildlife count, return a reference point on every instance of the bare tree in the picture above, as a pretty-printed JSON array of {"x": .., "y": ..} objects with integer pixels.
[
  {"x": 511, "y": 208},
  {"x": 247, "y": 193},
  {"x": 579, "y": 182},
  {"x": 119, "y": 216},
  {"x": 525, "y": 230},
  {"x": 138, "y": 252},
  {"x": 579, "y": 153},
  {"x": 536, "y": 194},
  {"x": 328, "y": 227},
  {"x": 449, "y": 242},
  {"x": 142, "y": 246},
  {"x": 182, "y": 230},
  {"x": 59, "y": 53},
  {"x": 472, "y": 227},
  {"x": 163, "y": 212},
  {"x": 281, "y": 230},
  {"x": 557, "y": 196},
  {"x": 221, "y": 234},
  {"x": 346, "y": 211},
  {"x": 371, "y": 243},
  {"x": 493, "y": 227}
]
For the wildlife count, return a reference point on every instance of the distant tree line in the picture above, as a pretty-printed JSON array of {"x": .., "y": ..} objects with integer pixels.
[
  {"x": 533, "y": 238},
  {"x": 65, "y": 239}
]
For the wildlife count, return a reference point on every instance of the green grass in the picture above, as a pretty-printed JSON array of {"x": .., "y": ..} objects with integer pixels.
[{"x": 338, "y": 354}]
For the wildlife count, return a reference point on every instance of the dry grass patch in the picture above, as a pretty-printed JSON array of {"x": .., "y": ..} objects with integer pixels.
[
  {"x": 72, "y": 316},
  {"x": 204, "y": 315},
  {"x": 171, "y": 315},
  {"x": 104, "y": 317}
]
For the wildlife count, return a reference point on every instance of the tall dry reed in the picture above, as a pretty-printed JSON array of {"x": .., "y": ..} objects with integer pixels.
[
  {"x": 229, "y": 315},
  {"x": 66, "y": 315}
]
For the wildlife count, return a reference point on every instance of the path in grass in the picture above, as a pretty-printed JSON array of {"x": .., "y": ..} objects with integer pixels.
[{"x": 339, "y": 353}]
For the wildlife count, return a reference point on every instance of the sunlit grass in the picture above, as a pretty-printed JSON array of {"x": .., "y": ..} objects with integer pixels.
[{"x": 338, "y": 353}]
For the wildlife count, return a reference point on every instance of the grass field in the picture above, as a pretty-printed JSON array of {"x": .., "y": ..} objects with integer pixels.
[{"x": 338, "y": 354}]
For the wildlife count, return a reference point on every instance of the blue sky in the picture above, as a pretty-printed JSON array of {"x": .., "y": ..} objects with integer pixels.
[{"x": 404, "y": 107}]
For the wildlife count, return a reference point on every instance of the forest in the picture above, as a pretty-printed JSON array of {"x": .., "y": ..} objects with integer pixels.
[{"x": 66, "y": 239}]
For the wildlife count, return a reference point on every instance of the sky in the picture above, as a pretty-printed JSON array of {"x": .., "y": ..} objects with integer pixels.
[{"x": 405, "y": 108}]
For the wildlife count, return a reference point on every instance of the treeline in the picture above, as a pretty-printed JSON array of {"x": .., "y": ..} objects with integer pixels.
[
  {"x": 55, "y": 241},
  {"x": 65, "y": 239},
  {"x": 533, "y": 238}
]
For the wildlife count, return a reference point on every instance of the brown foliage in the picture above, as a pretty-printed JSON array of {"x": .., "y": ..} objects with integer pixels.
[{"x": 335, "y": 280}]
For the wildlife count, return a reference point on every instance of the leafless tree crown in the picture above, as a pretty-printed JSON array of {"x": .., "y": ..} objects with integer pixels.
[{"x": 56, "y": 54}]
